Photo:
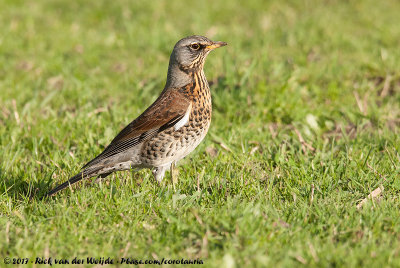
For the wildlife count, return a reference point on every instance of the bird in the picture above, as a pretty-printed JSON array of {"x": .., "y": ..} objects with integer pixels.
[{"x": 170, "y": 128}]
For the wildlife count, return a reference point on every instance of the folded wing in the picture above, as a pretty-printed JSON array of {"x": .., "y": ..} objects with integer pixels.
[{"x": 168, "y": 110}]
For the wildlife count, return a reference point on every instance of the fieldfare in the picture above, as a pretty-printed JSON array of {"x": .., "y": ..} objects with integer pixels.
[{"x": 171, "y": 128}]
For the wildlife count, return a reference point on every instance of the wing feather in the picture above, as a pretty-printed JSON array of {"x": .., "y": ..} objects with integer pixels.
[{"x": 170, "y": 107}]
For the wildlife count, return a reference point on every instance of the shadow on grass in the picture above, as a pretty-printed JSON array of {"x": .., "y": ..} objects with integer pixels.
[{"x": 16, "y": 187}]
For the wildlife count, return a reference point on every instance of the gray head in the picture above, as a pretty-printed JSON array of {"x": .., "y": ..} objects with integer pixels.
[{"x": 189, "y": 54}]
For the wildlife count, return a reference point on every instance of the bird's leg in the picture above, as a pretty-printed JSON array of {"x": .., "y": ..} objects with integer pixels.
[
  {"x": 174, "y": 174},
  {"x": 159, "y": 173}
]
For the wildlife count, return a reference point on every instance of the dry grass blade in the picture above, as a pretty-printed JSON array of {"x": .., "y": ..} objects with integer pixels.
[
  {"x": 312, "y": 194},
  {"x": 386, "y": 86},
  {"x": 97, "y": 111},
  {"x": 223, "y": 146},
  {"x": 362, "y": 104},
  {"x": 16, "y": 115},
  {"x": 253, "y": 150},
  {"x": 7, "y": 231},
  {"x": 301, "y": 259},
  {"x": 373, "y": 195},
  {"x": 128, "y": 245},
  {"x": 304, "y": 144},
  {"x": 313, "y": 252}
]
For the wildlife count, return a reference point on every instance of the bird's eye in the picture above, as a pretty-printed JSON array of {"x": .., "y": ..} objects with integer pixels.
[{"x": 195, "y": 46}]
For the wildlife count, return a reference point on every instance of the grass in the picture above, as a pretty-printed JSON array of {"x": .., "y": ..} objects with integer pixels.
[{"x": 305, "y": 125}]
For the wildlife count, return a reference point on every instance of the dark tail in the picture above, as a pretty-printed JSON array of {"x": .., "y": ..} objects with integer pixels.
[{"x": 87, "y": 173}]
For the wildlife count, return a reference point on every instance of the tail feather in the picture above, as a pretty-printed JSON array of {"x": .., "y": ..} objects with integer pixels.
[{"x": 87, "y": 173}]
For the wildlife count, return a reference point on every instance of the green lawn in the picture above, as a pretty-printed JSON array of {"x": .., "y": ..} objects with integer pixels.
[{"x": 306, "y": 123}]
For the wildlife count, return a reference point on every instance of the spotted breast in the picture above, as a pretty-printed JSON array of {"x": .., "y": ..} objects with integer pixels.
[{"x": 173, "y": 144}]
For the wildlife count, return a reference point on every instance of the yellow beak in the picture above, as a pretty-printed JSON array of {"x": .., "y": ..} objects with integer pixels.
[{"x": 215, "y": 45}]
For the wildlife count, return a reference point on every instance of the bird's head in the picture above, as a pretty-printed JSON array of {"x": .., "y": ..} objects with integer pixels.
[
  {"x": 189, "y": 55},
  {"x": 191, "y": 52}
]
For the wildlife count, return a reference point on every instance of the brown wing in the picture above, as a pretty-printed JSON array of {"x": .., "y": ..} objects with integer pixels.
[{"x": 168, "y": 109}]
